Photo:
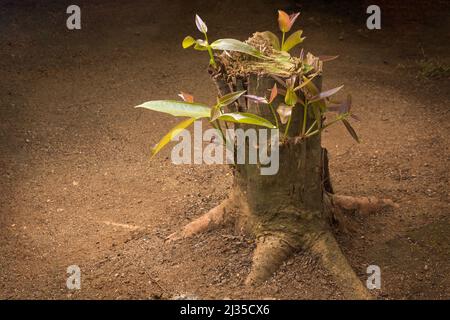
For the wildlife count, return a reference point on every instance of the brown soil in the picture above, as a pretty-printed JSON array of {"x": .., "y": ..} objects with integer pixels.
[{"x": 78, "y": 186}]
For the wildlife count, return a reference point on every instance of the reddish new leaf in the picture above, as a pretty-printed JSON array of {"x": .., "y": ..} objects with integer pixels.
[
  {"x": 273, "y": 93},
  {"x": 286, "y": 21},
  {"x": 186, "y": 97}
]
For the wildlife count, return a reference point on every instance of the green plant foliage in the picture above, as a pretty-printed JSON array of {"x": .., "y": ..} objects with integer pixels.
[
  {"x": 432, "y": 68},
  {"x": 171, "y": 134},
  {"x": 293, "y": 40},
  {"x": 285, "y": 23},
  {"x": 194, "y": 111},
  {"x": 221, "y": 44},
  {"x": 246, "y": 118},
  {"x": 291, "y": 98},
  {"x": 274, "y": 41},
  {"x": 230, "y": 98},
  {"x": 188, "y": 41},
  {"x": 294, "y": 78},
  {"x": 235, "y": 45},
  {"x": 177, "y": 108}
]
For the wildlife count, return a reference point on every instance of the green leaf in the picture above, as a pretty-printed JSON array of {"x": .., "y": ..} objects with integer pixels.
[
  {"x": 293, "y": 40},
  {"x": 350, "y": 130},
  {"x": 177, "y": 108},
  {"x": 273, "y": 39},
  {"x": 187, "y": 42},
  {"x": 200, "y": 46},
  {"x": 307, "y": 68},
  {"x": 310, "y": 86},
  {"x": 236, "y": 45},
  {"x": 291, "y": 98},
  {"x": 171, "y": 134},
  {"x": 230, "y": 98},
  {"x": 201, "y": 26},
  {"x": 248, "y": 118},
  {"x": 216, "y": 111},
  {"x": 306, "y": 82}
]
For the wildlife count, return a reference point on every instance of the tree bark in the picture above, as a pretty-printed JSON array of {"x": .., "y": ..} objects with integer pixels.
[{"x": 286, "y": 211}]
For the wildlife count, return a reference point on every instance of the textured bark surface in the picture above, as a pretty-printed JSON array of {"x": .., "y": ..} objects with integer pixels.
[{"x": 286, "y": 211}]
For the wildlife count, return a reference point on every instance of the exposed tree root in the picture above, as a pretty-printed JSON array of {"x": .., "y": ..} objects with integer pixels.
[
  {"x": 327, "y": 248},
  {"x": 210, "y": 220},
  {"x": 273, "y": 249},
  {"x": 364, "y": 205},
  {"x": 270, "y": 253}
]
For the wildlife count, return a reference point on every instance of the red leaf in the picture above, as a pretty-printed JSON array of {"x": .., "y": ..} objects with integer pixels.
[
  {"x": 284, "y": 21},
  {"x": 273, "y": 93},
  {"x": 186, "y": 97}
]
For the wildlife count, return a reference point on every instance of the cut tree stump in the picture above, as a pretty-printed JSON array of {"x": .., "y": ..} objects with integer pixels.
[{"x": 290, "y": 211}]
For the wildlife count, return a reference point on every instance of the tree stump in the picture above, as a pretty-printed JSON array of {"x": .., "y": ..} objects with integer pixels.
[{"x": 287, "y": 212}]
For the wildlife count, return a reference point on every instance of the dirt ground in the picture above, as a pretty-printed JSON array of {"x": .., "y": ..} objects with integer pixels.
[{"x": 78, "y": 187}]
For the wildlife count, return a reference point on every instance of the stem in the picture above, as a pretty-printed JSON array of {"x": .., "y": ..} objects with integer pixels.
[
  {"x": 319, "y": 130},
  {"x": 226, "y": 125},
  {"x": 274, "y": 114},
  {"x": 339, "y": 118},
  {"x": 282, "y": 41},
  {"x": 305, "y": 109},
  {"x": 287, "y": 127},
  {"x": 219, "y": 129},
  {"x": 310, "y": 128},
  {"x": 312, "y": 133},
  {"x": 211, "y": 55}
]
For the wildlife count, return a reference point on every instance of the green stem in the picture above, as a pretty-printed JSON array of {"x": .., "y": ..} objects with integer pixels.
[
  {"x": 219, "y": 129},
  {"x": 211, "y": 55},
  {"x": 310, "y": 128},
  {"x": 274, "y": 114},
  {"x": 305, "y": 109},
  {"x": 319, "y": 130},
  {"x": 339, "y": 118},
  {"x": 226, "y": 128},
  {"x": 287, "y": 127},
  {"x": 282, "y": 41},
  {"x": 312, "y": 133},
  {"x": 226, "y": 125}
]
